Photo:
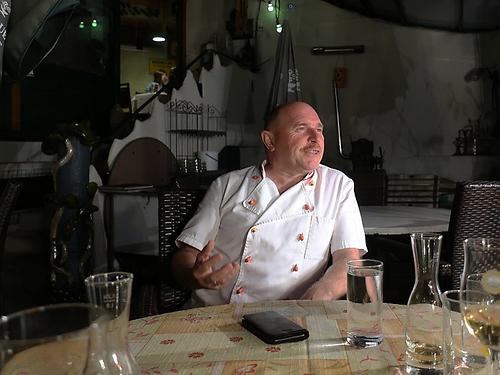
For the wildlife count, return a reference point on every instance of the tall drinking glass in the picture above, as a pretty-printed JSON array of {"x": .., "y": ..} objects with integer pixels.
[
  {"x": 113, "y": 291},
  {"x": 364, "y": 302},
  {"x": 54, "y": 339}
]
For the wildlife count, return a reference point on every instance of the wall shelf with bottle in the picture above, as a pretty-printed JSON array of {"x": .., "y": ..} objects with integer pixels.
[{"x": 475, "y": 139}]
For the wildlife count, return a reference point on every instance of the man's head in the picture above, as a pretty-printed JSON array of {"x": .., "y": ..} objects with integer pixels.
[{"x": 293, "y": 137}]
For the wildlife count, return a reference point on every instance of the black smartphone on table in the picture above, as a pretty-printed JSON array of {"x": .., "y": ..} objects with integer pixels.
[{"x": 274, "y": 328}]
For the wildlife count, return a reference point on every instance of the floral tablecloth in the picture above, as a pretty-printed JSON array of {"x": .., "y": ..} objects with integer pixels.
[{"x": 210, "y": 340}]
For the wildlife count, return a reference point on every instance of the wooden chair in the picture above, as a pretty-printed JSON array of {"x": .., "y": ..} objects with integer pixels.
[
  {"x": 412, "y": 190},
  {"x": 369, "y": 187},
  {"x": 475, "y": 213}
]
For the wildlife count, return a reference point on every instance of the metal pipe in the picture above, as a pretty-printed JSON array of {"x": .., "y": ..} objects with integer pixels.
[
  {"x": 337, "y": 120},
  {"x": 337, "y": 50}
]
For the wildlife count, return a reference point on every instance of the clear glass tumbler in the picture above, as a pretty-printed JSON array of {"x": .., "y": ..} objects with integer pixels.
[
  {"x": 462, "y": 351},
  {"x": 113, "y": 291},
  {"x": 364, "y": 302}
]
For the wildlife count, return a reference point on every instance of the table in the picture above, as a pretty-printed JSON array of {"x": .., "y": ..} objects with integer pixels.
[
  {"x": 210, "y": 340},
  {"x": 390, "y": 220}
]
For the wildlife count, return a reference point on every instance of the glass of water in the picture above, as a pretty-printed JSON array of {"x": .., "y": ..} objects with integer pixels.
[{"x": 364, "y": 302}]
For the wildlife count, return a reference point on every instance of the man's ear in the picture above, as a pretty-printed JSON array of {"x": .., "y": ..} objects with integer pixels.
[{"x": 267, "y": 139}]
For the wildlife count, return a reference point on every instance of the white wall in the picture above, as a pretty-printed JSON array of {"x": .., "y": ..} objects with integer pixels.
[{"x": 406, "y": 93}]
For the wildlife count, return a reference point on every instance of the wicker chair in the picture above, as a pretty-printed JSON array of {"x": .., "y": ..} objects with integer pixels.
[
  {"x": 8, "y": 201},
  {"x": 475, "y": 213},
  {"x": 175, "y": 208}
]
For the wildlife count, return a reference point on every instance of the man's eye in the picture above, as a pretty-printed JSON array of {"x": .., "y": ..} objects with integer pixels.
[{"x": 319, "y": 130}]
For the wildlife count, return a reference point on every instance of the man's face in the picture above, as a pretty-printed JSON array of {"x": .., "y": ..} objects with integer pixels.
[{"x": 297, "y": 139}]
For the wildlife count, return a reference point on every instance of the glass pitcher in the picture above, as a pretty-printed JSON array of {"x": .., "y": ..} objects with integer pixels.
[
  {"x": 424, "y": 328},
  {"x": 113, "y": 291}
]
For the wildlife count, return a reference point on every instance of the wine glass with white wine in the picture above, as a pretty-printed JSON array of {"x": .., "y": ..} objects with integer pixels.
[
  {"x": 482, "y": 318},
  {"x": 480, "y": 293},
  {"x": 482, "y": 266}
]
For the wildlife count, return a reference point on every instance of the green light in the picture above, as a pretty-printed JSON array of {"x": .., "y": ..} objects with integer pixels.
[
  {"x": 270, "y": 7},
  {"x": 94, "y": 23},
  {"x": 82, "y": 25},
  {"x": 279, "y": 28}
]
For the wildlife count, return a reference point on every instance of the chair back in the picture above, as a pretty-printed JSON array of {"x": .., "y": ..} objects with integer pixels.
[
  {"x": 175, "y": 208},
  {"x": 8, "y": 200},
  {"x": 412, "y": 190},
  {"x": 144, "y": 161},
  {"x": 475, "y": 213},
  {"x": 369, "y": 186}
]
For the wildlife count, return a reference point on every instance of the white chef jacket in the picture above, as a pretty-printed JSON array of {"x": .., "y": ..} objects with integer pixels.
[{"x": 282, "y": 241}]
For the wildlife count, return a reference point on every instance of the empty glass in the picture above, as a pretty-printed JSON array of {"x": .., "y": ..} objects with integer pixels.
[
  {"x": 54, "y": 339},
  {"x": 463, "y": 353},
  {"x": 113, "y": 291}
]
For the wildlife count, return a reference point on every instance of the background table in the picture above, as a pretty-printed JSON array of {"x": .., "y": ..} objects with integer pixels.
[
  {"x": 404, "y": 219},
  {"x": 25, "y": 169},
  {"x": 210, "y": 340}
]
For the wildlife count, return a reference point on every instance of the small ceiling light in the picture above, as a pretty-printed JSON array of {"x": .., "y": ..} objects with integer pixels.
[
  {"x": 94, "y": 23},
  {"x": 270, "y": 6},
  {"x": 82, "y": 25},
  {"x": 159, "y": 39},
  {"x": 279, "y": 28}
]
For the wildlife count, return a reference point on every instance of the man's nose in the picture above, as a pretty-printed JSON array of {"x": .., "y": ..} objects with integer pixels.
[{"x": 313, "y": 135}]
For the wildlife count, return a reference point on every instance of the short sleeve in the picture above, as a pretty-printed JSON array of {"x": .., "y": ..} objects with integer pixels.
[
  {"x": 204, "y": 224},
  {"x": 348, "y": 229}
]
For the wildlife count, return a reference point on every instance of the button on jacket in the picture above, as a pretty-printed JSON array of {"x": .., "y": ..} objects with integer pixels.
[{"x": 281, "y": 241}]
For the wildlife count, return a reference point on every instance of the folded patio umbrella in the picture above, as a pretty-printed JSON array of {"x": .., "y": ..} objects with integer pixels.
[
  {"x": 286, "y": 85},
  {"x": 33, "y": 31}
]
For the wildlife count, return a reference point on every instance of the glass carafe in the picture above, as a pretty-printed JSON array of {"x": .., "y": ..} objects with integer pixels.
[
  {"x": 424, "y": 328},
  {"x": 113, "y": 291}
]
